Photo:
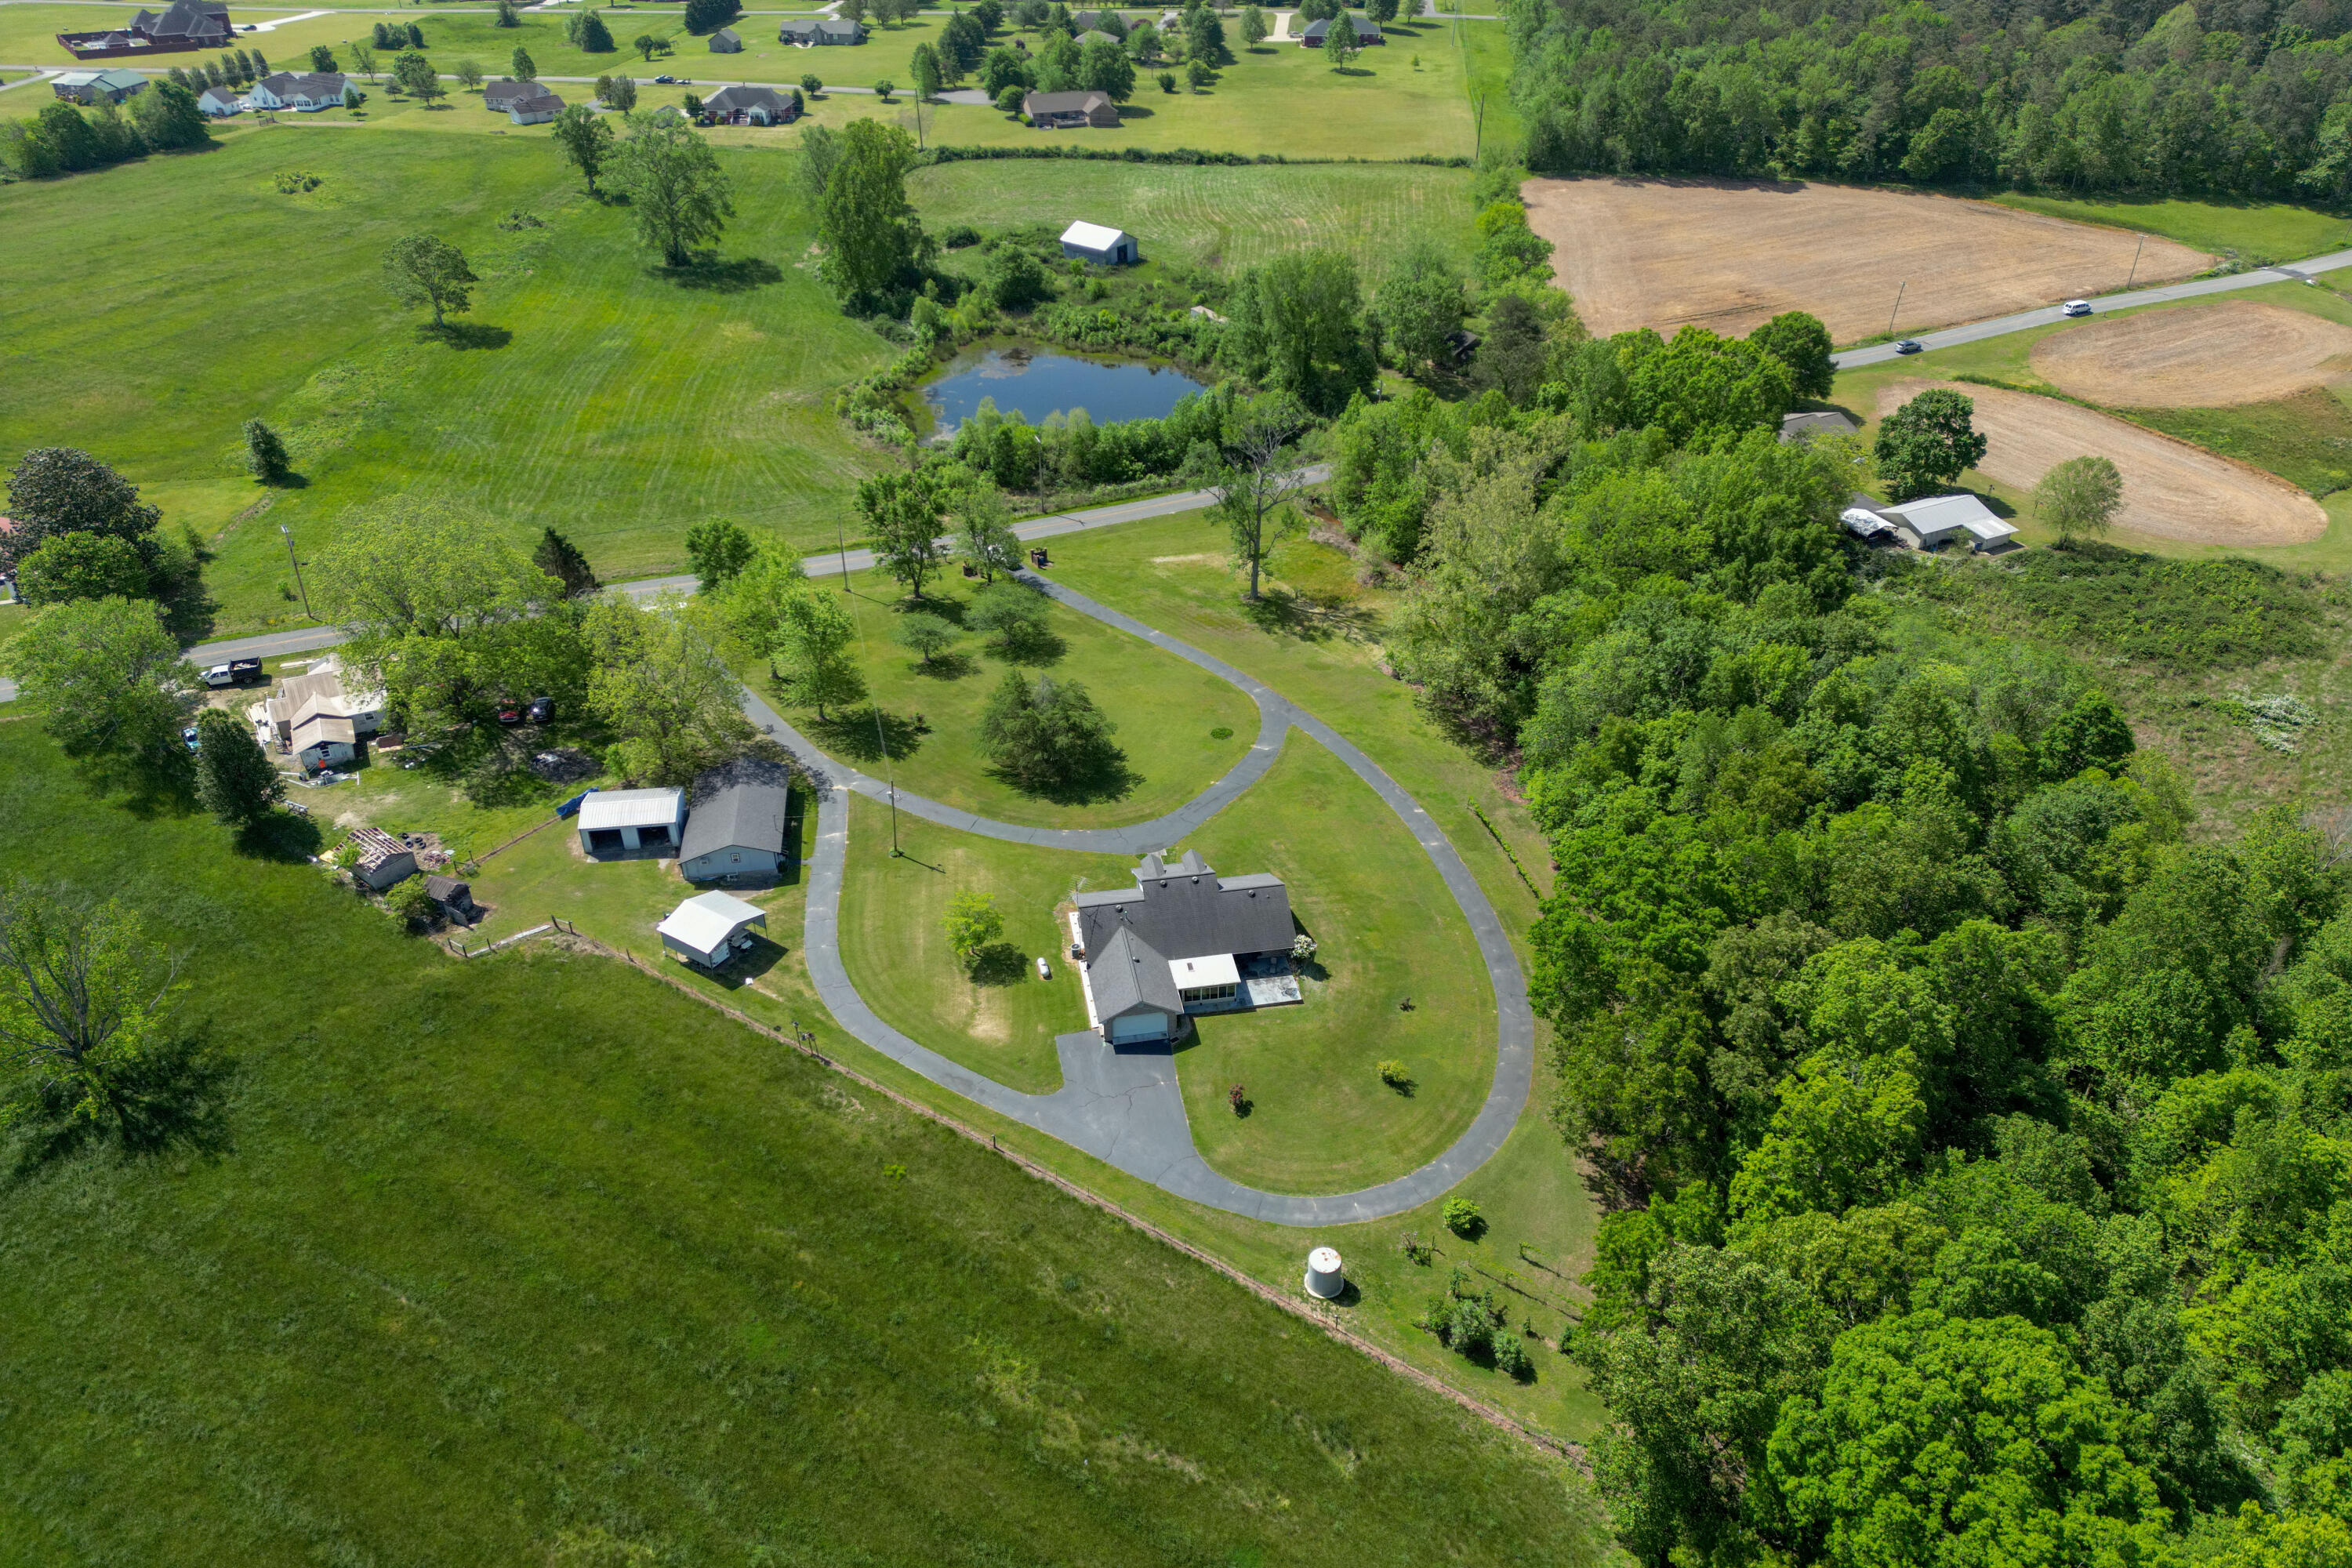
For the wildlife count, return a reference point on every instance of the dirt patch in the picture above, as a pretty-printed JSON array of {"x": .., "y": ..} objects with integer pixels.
[
  {"x": 1727, "y": 255},
  {"x": 2171, "y": 490},
  {"x": 2203, "y": 357}
]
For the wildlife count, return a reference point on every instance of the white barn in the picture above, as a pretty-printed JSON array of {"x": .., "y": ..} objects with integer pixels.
[{"x": 1108, "y": 247}]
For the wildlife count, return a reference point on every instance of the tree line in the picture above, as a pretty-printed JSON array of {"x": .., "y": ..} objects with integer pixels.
[
  {"x": 2245, "y": 98},
  {"x": 68, "y": 138}
]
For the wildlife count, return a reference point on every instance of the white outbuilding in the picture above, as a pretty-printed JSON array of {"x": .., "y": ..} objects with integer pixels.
[
  {"x": 1106, "y": 247},
  {"x": 710, "y": 928},
  {"x": 1939, "y": 518},
  {"x": 611, "y": 820}
]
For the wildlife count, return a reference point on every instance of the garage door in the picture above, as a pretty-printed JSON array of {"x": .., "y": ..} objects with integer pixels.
[
  {"x": 1140, "y": 1027},
  {"x": 602, "y": 838}
]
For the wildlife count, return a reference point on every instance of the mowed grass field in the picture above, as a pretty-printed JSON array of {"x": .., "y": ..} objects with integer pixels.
[
  {"x": 1167, "y": 711},
  {"x": 1228, "y": 217},
  {"x": 587, "y": 389},
  {"x": 2253, "y": 231},
  {"x": 533, "y": 1259}
]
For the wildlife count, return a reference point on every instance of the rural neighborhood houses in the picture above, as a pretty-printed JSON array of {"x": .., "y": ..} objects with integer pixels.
[
  {"x": 746, "y": 105},
  {"x": 501, "y": 94},
  {"x": 304, "y": 93},
  {"x": 1093, "y": 242},
  {"x": 1070, "y": 110},
  {"x": 809, "y": 30},
  {"x": 185, "y": 25},
  {"x": 1367, "y": 32},
  {"x": 1183, "y": 940}
]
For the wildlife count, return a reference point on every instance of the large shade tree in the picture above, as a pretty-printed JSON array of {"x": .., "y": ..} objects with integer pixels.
[{"x": 678, "y": 196}]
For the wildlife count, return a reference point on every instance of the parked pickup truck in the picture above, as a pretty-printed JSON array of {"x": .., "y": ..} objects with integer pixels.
[{"x": 236, "y": 672}]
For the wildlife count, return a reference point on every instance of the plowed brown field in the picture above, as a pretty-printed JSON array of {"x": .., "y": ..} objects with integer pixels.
[
  {"x": 1726, "y": 255},
  {"x": 2201, "y": 357},
  {"x": 2171, "y": 490}
]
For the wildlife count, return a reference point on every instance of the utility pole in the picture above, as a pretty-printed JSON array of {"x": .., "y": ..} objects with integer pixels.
[
  {"x": 1898, "y": 307},
  {"x": 2135, "y": 266},
  {"x": 841, "y": 543},
  {"x": 891, "y": 770},
  {"x": 297, "y": 571}
]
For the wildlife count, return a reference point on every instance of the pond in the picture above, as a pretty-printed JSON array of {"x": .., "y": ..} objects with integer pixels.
[{"x": 1040, "y": 383}]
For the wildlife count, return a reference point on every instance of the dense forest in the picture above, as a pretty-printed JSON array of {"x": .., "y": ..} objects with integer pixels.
[
  {"x": 1971, "y": 1121},
  {"x": 2244, "y": 97}
]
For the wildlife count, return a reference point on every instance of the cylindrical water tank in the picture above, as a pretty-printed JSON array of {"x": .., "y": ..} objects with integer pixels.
[{"x": 1324, "y": 1279}]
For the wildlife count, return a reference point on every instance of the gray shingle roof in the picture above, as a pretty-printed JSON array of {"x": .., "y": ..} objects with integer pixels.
[
  {"x": 740, "y": 816},
  {"x": 739, "y": 99},
  {"x": 1186, "y": 910},
  {"x": 1128, "y": 974}
]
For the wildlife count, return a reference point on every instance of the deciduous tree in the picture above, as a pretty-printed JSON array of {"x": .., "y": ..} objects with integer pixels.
[
  {"x": 2079, "y": 497},
  {"x": 973, "y": 922},
  {"x": 902, "y": 517},
  {"x": 1802, "y": 344},
  {"x": 64, "y": 489},
  {"x": 923, "y": 636},
  {"x": 70, "y": 566},
  {"x": 658, "y": 681},
  {"x": 1261, "y": 469},
  {"x": 112, "y": 689},
  {"x": 235, "y": 780},
  {"x": 586, "y": 139},
  {"x": 716, "y": 551},
  {"x": 814, "y": 639},
  {"x": 677, "y": 194},
  {"x": 86, "y": 1004},
  {"x": 524, "y": 68},
  {"x": 1047, "y": 737},
  {"x": 1421, "y": 304},
  {"x": 1924, "y": 445},
  {"x": 424, "y": 269}
]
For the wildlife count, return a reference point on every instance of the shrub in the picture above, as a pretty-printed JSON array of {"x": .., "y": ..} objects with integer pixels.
[
  {"x": 1008, "y": 101},
  {"x": 411, "y": 905},
  {"x": 1167, "y": 82},
  {"x": 1462, "y": 1217},
  {"x": 959, "y": 237},
  {"x": 1302, "y": 948},
  {"x": 1511, "y": 1357},
  {"x": 1238, "y": 1097},
  {"x": 1393, "y": 1074}
]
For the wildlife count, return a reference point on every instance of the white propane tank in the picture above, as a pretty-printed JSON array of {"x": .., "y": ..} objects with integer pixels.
[{"x": 1324, "y": 1279}]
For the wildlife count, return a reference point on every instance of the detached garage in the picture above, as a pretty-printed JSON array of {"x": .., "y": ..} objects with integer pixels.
[
  {"x": 710, "y": 928},
  {"x": 613, "y": 820}
]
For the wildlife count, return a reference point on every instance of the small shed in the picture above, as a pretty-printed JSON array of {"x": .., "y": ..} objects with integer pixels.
[
  {"x": 218, "y": 102},
  {"x": 456, "y": 897},
  {"x": 1108, "y": 247},
  {"x": 710, "y": 928},
  {"x": 611, "y": 820},
  {"x": 727, "y": 41},
  {"x": 383, "y": 859}
]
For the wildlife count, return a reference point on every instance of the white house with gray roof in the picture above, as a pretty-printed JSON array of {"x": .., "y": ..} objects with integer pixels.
[
  {"x": 735, "y": 827},
  {"x": 304, "y": 93},
  {"x": 1183, "y": 940}
]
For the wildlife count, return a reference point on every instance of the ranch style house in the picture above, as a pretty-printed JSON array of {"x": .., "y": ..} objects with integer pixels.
[{"x": 1183, "y": 940}]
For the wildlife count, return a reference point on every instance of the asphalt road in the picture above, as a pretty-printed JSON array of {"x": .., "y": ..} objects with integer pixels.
[
  {"x": 1998, "y": 326},
  {"x": 310, "y": 639}
]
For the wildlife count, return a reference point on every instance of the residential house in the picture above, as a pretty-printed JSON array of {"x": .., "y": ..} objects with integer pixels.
[
  {"x": 1083, "y": 40},
  {"x": 1182, "y": 939},
  {"x": 821, "y": 30},
  {"x": 727, "y": 41},
  {"x": 500, "y": 95},
  {"x": 1099, "y": 22},
  {"x": 710, "y": 928},
  {"x": 537, "y": 109},
  {"x": 219, "y": 103},
  {"x": 735, "y": 827},
  {"x": 185, "y": 25},
  {"x": 1108, "y": 247},
  {"x": 383, "y": 859},
  {"x": 744, "y": 105},
  {"x": 304, "y": 93},
  {"x": 611, "y": 820},
  {"x": 1367, "y": 32},
  {"x": 317, "y": 722},
  {"x": 1929, "y": 523},
  {"x": 97, "y": 87},
  {"x": 1070, "y": 110}
]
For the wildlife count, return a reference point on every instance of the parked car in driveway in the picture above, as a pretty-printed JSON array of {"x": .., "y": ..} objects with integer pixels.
[
  {"x": 541, "y": 710},
  {"x": 510, "y": 717},
  {"x": 1909, "y": 346}
]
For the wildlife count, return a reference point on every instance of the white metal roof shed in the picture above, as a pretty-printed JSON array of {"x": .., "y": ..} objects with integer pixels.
[
  {"x": 1093, "y": 235},
  {"x": 706, "y": 924},
  {"x": 631, "y": 808},
  {"x": 1940, "y": 517}
]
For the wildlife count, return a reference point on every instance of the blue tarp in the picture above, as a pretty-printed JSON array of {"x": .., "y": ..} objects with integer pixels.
[{"x": 571, "y": 807}]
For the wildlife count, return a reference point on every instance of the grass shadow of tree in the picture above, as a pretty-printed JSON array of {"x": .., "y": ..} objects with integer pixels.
[
  {"x": 466, "y": 335},
  {"x": 998, "y": 963},
  {"x": 1103, "y": 776},
  {"x": 1034, "y": 648},
  {"x": 860, "y": 735},
  {"x": 712, "y": 275},
  {"x": 286, "y": 837},
  {"x": 951, "y": 666},
  {"x": 1309, "y": 618},
  {"x": 175, "y": 1098}
]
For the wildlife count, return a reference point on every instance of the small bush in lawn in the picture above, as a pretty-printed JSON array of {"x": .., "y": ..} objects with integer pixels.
[
  {"x": 1511, "y": 1357},
  {"x": 1238, "y": 1097},
  {"x": 958, "y": 236},
  {"x": 1302, "y": 947},
  {"x": 411, "y": 905},
  {"x": 1462, "y": 1217},
  {"x": 1416, "y": 1250},
  {"x": 1467, "y": 1321},
  {"x": 1393, "y": 1074}
]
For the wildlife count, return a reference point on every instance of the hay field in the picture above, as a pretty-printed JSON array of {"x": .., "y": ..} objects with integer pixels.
[
  {"x": 2171, "y": 490},
  {"x": 1727, "y": 255},
  {"x": 2205, "y": 356}
]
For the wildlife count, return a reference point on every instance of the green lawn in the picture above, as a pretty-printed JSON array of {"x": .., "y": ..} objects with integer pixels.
[
  {"x": 2305, "y": 439},
  {"x": 1485, "y": 50},
  {"x": 1232, "y": 217},
  {"x": 1167, "y": 712},
  {"x": 531, "y": 1259},
  {"x": 2258, "y": 232},
  {"x": 594, "y": 392},
  {"x": 896, "y": 947},
  {"x": 1322, "y": 1120}
]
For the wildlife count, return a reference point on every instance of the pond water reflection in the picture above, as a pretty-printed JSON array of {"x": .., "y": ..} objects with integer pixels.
[{"x": 1039, "y": 384}]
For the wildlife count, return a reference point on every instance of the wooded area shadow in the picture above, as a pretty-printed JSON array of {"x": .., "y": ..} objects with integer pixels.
[{"x": 175, "y": 1098}]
